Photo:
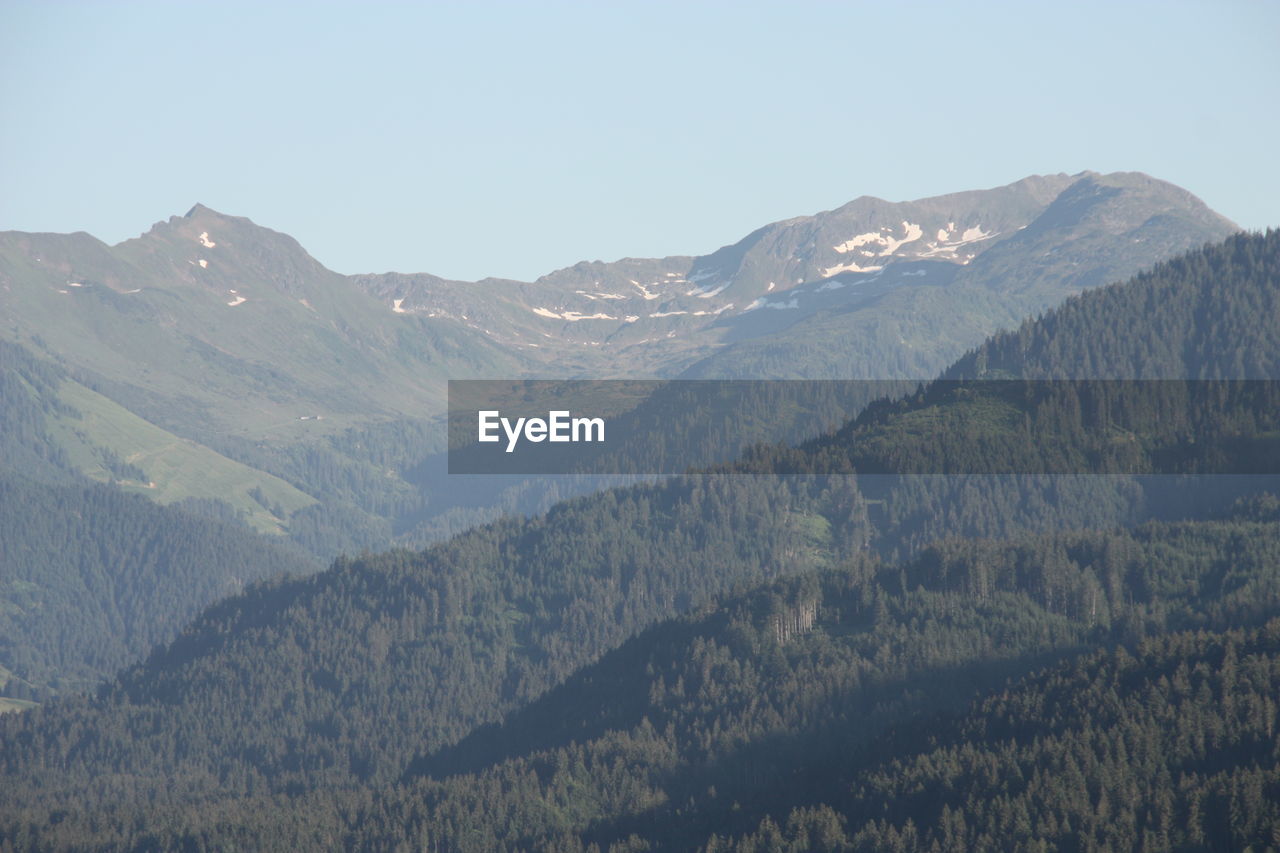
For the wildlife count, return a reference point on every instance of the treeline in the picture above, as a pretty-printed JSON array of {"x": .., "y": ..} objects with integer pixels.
[
  {"x": 28, "y": 396},
  {"x": 93, "y": 578}
]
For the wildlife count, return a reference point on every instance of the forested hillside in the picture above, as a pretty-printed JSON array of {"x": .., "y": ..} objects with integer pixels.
[
  {"x": 327, "y": 679},
  {"x": 779, "y": 709},
  {"x": 95, "y": 578},
  {"x": 1170, "y": 745},
  {"x": 727, "y": 660},
  {"x": 1211, "y": 314},
  {"x": 1208, "y": 314}
]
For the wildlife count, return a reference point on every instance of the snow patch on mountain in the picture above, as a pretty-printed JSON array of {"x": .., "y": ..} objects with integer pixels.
[
  {"x": 860, "y": 240},
  {"x": 888, "y": 243},
  {"x": 571, "y": 316},
  {"x": 205, "y": 241},
  {"x": 945, "y": 246},
  {"x": 776, "y": 306},
  {"x": 644, "y": 290},
  {"x": 852, "y": 266}
]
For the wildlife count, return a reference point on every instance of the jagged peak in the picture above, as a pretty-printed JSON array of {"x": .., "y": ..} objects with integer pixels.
[{"x": 203, "y": 211}]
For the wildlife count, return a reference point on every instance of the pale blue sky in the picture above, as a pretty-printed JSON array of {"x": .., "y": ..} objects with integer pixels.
[{"x": 510, "y": 139}]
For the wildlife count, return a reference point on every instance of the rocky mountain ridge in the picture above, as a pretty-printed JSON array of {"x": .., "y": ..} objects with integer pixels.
[
  {"x": 844, "y": 260},
  {"x": 248, "y": 355}
]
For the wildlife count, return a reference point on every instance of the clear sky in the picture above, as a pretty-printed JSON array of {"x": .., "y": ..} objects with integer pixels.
[{"x": 510, "y": 139}]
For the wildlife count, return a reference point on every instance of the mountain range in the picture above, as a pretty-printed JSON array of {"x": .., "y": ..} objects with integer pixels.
[
  {"x": 802, "y": 658},
  {"x": 217, "y": 322},
  {"x": 221, "y": 361},
  {"x": 750, "y": 663},
  {"x": 213, "y": 366}
]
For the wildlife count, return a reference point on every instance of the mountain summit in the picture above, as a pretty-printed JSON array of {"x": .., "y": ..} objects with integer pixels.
[
  {"x": 1032, "y": 242},
  {"x": 228, "y": 334}
]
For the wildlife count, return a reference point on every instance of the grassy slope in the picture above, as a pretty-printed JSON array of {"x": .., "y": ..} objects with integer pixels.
[
  {"x": 177, "y": 468},
  {"x": 7, "y": 705}
]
